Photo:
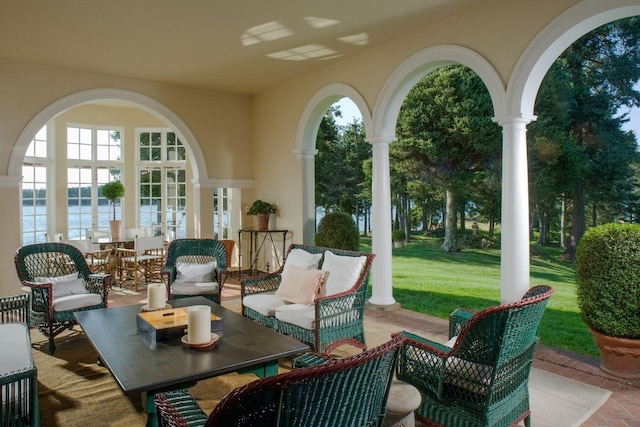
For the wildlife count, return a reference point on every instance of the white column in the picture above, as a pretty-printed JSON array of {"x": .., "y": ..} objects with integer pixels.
[
  {"x": 515, "y": 210},
  {"x": 307, "y": 157},
  {"x": 382, "y": 285}
]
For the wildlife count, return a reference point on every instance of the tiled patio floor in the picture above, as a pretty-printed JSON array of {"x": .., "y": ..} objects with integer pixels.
[{"x": 622, "y": 409}]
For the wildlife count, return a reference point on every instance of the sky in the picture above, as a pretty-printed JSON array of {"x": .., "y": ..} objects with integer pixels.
[{"x": 350, "y": 111}]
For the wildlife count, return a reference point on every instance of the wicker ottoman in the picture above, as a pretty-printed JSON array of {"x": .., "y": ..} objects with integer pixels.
[{"x": 403, "y": 400}]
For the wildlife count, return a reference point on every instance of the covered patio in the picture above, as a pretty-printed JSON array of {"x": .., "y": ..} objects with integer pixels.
[{"x": 246, "y": 95}]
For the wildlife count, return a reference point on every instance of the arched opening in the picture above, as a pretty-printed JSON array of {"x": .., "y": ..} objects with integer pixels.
[
  {"x": 306, "y": 145},
  {"x": 94, "y": 137}
]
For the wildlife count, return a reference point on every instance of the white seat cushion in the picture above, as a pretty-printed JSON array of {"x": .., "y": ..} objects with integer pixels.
[
  {"x": 73, "y": 302},
  {"x": 265, "y": 304},
  {"x": 300, "y": 315},
  {"x": 343, "y": 272},
  {"x": 193, "y": 288}
]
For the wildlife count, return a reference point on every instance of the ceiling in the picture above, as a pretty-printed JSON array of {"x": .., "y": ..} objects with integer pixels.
[{"x": 241, "y": 46}]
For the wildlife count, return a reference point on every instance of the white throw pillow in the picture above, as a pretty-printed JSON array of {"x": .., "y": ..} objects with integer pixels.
[
  {"x": 343, "y": 272},
  {"x": 56, "y": 279},
  {"x": 63, "y": 286},
  {"x": 195, "y": 272},
  {"x": 302, "y": 259},
  {"x": 300, "y": 286}
]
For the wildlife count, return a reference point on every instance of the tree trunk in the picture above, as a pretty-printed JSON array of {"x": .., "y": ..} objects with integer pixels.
[
  {"x": 450, "y": 243},
  {"x": 577, "y": 220},
  {"x": 563, "y": 224},
  {"x": 407, "y": 219}
]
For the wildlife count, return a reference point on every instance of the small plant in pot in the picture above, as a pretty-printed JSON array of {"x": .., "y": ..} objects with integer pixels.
[
  {"x": 263, "y": 210},
  {"x": 398, "y": 237},
  {"x": 113, "y": 191},
  {"x": 608, "y": 293}
]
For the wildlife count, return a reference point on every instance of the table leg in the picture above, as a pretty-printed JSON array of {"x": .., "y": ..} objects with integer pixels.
[{"x": 149, "y": 407}]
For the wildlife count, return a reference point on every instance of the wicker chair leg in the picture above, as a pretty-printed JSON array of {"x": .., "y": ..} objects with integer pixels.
[{"x": 52, "y": 346}]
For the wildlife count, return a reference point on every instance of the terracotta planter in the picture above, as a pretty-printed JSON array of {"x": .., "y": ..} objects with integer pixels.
[
  {"x": 116, "y": 229},
  {"x": 398, "y": 243},
  {"x": 618, "y": 356},
  {"x": 263, "y": 221}
]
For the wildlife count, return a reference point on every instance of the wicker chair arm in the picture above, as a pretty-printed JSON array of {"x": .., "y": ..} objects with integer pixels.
[
  {"x": 41, "y": 296},
  {"x": 178, "y": 409},
  {"x": 310, "y": 359},
  {"x": 422, "y": 362},
  {"x": 98, "y": 283},
  {"x": 457, "y": 319},
  {"x": 169, "y": 271},
  {"x": 260, "y": 284}
]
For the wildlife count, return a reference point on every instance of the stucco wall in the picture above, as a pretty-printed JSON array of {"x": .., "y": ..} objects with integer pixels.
[{"x": 219, "y": 122}]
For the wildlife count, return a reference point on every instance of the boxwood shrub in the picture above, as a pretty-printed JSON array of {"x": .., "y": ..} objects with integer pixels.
[
  {"x": 608, "y": 279},
  {"x": 338, "y": 230}
]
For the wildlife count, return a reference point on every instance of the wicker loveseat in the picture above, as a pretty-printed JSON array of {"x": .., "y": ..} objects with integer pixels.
[
  {"x": 330, "y": 318},
  {"x": 342, "y": 392},
  {"x": 61, "y": 283},
  {"x": 18, "y": 374},
  {"x": 482, "y": 380}
]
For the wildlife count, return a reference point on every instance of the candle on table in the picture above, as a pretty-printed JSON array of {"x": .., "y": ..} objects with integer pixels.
[
  {"x": 199, "y": 324},
  {"x": 156, "y": 296}
]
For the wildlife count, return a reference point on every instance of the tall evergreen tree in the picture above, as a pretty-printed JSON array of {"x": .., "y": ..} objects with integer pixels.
[
  {"x": 577, "y": 147},
  {"x": 445, "y": 128}
]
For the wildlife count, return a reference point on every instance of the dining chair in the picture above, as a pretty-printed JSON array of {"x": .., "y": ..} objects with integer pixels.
[
  {"x": 97, "y": 259},
  {"x": 144, "y": 261}
]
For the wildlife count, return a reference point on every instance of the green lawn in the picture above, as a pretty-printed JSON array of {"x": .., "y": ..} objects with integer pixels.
[{"x": 428, "y": 280}]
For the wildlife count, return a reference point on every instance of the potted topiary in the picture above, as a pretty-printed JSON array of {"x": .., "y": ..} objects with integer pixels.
[
  {"x": 398, "y": 237},
  {"x": 608, "y": 292},
  {"x": 338, "y": 230},
  {"x": 112, "y": 191},
  {"x": 263, "y": 210}
]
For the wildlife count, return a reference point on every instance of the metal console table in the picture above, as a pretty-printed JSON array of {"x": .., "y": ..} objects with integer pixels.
[{"x": 258, "y": 240}]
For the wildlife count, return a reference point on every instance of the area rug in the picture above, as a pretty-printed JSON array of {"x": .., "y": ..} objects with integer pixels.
[{"x": 75, "y": 391}]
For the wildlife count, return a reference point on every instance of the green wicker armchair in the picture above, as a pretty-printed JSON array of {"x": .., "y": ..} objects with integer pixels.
[
  {"x": 483, "y": 379},
  {"x": 61, "y": 283},
  {"x": 331, "y": 321},
  {"x": 342, "y": 392},
  {"x": 192, "y": 253}
]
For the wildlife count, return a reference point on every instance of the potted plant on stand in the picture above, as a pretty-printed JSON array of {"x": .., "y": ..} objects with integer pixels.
[
  {"x": 608, "y": 291},
  {"x": 398, "y": 237},
  {"x": 263, "y": 210},
  {"x": 112, "y": 191}
]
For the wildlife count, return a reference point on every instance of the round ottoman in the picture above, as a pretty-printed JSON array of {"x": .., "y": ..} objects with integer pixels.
[{"x": 403, "y": 400}]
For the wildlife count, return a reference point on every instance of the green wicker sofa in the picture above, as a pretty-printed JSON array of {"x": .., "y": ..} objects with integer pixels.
[
  {"x": 61, "y": 283},
  {"x": 482, "y": 380},
  {"x": 332, "y": 318},
  {"x": 352, "y": 391},
  {"x": 19, "y": 404}
]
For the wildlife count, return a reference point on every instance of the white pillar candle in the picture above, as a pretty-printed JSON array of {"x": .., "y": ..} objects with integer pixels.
[
  {"x": 156, "y": 296},
  {"x": 199, "y": 324}
]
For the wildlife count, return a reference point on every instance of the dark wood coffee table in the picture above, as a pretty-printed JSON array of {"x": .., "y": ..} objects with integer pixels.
[{"x": 141, "y": 365}]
